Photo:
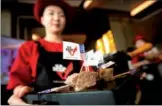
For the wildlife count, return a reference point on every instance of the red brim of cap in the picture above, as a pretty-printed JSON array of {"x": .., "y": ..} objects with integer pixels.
[
  {"x": 40, "y": 5},
  {"x": 138, "y": 37}
]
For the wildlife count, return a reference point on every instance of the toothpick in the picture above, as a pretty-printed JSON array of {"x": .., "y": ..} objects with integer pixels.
[
  {"x": 88, "y": 68},
  {"x": 81, "y": 67}
]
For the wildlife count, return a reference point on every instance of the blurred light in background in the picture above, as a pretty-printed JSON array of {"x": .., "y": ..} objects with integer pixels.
[
  {"x": 87, "y": 3},
  {"x": 141, "y": 7},
  {"x": 100, "y": 46},
  {"x": 106, "y": 44},
  {"x": 111, "y": 42}
]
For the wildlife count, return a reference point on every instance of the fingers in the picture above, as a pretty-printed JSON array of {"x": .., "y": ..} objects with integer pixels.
[
  {"x": 143, "y": 76},
  {"x": 24, "y": 90},
  {"x": 10, "y": 100},
  {"x": 14, "y": 100},
  {"x": 17, "y": 90},
  {"x": 20, "y": 91}
]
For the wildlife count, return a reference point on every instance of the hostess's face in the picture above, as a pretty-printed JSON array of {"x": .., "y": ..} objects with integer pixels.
[
  {"x": 139, "y": 43},
  {"x": 53, "y": 19}
]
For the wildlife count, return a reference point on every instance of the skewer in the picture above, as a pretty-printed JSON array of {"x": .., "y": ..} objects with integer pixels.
[
  {"x": 81, "y": 67},
  {"x": 61, "y": 82},
  {"x": 120, "y": 75},
  {"x": 56, "y": 89}
]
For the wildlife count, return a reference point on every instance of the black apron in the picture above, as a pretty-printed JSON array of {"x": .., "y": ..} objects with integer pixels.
[{"x": 48, "y": 65}]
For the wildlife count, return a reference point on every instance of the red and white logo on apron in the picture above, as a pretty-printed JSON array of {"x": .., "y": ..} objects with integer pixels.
[{"x": 62, "y": 71}]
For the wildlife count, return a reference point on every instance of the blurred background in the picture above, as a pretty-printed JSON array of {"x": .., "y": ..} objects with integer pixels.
[{"x": 105, "y": 25}]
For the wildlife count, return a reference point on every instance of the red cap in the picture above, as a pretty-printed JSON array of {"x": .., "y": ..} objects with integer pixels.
[
  {"x": 138, "y": 37},
  {"x": 40, "y": 5}
]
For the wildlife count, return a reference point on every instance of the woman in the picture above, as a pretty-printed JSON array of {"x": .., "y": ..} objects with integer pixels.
[{"x": 40, "y": 63}]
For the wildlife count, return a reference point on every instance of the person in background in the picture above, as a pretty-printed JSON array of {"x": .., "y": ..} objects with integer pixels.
[
  {"x": 137, "y": 55},
  {"x": 149, "y": 55},
  {"x": 145, "y": 52},
  {"x": 36, "y": 65},
  {"x": 138, "y": 60},
  {"x": 141, "y": 46}
]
